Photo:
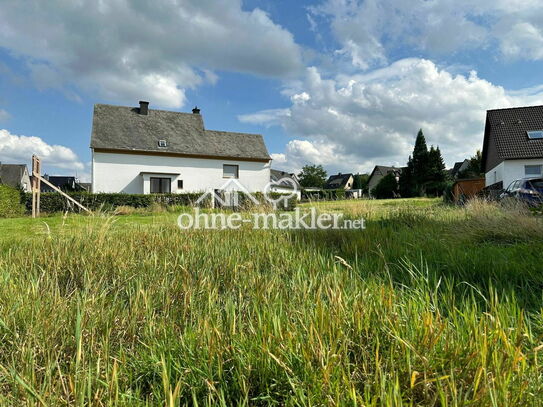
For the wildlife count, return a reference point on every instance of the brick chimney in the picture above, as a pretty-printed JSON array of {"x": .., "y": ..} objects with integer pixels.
[{"x": 144, "y": 107}]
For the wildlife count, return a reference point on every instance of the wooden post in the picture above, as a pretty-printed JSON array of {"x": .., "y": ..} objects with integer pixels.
[{"x": 36, "y": 188}]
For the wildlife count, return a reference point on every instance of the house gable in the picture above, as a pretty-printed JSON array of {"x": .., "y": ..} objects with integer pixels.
[{"x": 506, "y": 135}]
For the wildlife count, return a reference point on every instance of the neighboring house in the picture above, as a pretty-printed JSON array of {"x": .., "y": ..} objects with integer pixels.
[
  {"x": 142, "y": 150},
  {"x": 62, "y": 182},
  {"x": 513, "y": 145},
  {"x": 458, "y": 167},
  {"x": 379, "y": 172},
  {"x": 285, "y": 183},
  {"x": 340, "y": 181},
  {"x": 15, "y": 175}
]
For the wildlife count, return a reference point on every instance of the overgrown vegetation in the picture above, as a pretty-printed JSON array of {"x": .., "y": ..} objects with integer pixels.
[
  {"x": 430, "y": 305},
  {"x": 10, "y": 202}
]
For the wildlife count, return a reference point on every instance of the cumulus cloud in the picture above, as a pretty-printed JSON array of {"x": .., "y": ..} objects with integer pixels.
[
  {"x": 19, "y": 149},
  {"x": 352, "y": 122},
  {"x": 369, "y": 29},
  {"x": 125, "y": 50}
]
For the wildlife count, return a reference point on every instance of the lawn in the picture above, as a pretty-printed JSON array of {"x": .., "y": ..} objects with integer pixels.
[{"x": 429, "y": 305}]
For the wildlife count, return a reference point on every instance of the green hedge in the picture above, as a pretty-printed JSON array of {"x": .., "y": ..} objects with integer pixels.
[
  {"x": 11, "y": 202},
  {"x": 324, "y": 194},
  {"x": 51, "y": 202}
]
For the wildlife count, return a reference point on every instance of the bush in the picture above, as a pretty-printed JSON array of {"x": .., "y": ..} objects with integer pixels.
[
  {"x": 323, "y": 194},
  {"x": 10, "y": 202},
  {"x": 51, "y": 202},
  {"x": 386, "y": 188}
]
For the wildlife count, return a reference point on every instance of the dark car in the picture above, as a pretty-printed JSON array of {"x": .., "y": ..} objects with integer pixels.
[{"x": 528, "y": 190}]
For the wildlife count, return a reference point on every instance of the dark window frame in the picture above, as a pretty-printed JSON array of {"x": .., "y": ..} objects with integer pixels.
[
  {"x": 161, "y": 185},
  {"x": 179, "y": 184},
  {"x": 230, "y": 165}
]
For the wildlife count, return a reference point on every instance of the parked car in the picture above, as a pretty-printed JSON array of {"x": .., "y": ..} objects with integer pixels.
[{"x": 528, "y": 190}]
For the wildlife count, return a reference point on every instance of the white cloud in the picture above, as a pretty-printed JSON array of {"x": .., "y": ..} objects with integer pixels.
[
  {"x": 126, "y": 50},
  {"x": 19, "y": 149},
  {"x": 368, "y": 30},
  {"x": 352, "y": 122},
  {"x": 4, "y": 115}
]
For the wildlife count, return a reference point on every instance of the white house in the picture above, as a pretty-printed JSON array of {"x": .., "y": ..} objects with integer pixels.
[
  {"x": 285, "y": 183},
  {"x": 513, "y": 145},
  {"x": 141, "y": 150}
]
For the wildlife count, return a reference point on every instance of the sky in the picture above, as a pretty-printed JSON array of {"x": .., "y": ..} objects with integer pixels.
[{"x": 342, "y": 83}]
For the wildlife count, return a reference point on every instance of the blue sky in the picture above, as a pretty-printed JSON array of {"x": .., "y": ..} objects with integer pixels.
[{"x": 342, "y": 83}]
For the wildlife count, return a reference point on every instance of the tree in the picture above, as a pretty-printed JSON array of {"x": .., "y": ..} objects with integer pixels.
[
  {"x": 436, "y": 175},
  {"x": 420, "y": 162},
  {"x": 407, "y": 181},
  {"x": 361, "y": 181},
  {"x": 312, "y": 176},
  {"x": 474, "y": 169},
  {"x": 386, "y": 188}
]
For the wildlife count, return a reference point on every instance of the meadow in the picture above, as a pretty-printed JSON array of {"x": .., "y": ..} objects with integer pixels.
[{"x": 430, "y": 305}]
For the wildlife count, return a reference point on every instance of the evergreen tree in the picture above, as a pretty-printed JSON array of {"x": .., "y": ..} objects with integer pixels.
[
  {"x": 436, "y": 174},
  {"x": 420, "y": 163},
  {"x": 407, "y": 181}
]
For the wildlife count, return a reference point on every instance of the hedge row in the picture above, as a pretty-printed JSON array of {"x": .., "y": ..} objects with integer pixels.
[
  {"x": 323, "y": 194},
  {"x": 54, "y": 202},
  {"x": 10, "y": 202},
  {"x": 51, "y": 202}
]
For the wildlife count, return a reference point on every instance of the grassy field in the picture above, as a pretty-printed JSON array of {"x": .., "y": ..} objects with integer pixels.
[{"x": 430, "y": 305}]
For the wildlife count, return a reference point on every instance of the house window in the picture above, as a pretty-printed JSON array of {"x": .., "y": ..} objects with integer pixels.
[
  {"x": 160, "y": 185},
  {"x": 230, "y": 171},
  {"x": 179, "y": 184},
  {"x": 162, "y": 143},
  {"x": 532, "y": 135},
  {"x": 531, "y": 170}
]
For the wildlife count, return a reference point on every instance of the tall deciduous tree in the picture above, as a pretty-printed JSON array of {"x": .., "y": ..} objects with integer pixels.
[
  {"x": 474, "y": 169},
  {"x": 312, "y": 176}
]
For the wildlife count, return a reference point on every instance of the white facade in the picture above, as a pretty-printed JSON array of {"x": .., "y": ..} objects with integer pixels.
[
  {"x": 131, "y": 173},
  {"x": 511, "y": 170},
  {"x": 287, "y": 191}
]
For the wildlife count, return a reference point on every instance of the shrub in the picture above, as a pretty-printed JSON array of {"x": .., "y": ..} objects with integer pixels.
[
  {"x": 386, "y": 188},
  {"x": 54, "y": 202},
  {"x": 323, "y": 194},
  {"x": 10, "y": 202}
]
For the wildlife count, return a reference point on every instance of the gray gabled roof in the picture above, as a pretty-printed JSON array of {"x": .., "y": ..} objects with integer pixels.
[
  {"x": 12, "y": 174},
  {"x": 277, "y": 175},
  {"x": 382, "y": 170},
  {"x": 337, "y": 181},
  {"x": 124, "y": 128},
  {"x": 506, "y": 135}
]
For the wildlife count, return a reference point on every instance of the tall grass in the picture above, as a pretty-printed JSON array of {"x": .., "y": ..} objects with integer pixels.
[{"x": 419, "y": 309}]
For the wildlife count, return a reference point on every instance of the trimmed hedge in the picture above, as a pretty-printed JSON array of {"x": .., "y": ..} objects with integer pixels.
[
  {"x": 11, "y": 202},
  {"x": 51, "y": 202},
  {"x": 324, "y": 194}
]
